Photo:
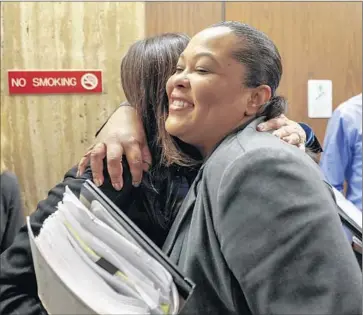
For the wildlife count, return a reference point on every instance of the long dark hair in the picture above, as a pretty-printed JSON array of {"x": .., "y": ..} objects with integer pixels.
[{"x": 145, "y": 69}]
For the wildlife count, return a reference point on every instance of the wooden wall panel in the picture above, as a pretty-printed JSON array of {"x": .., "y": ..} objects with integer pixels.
[
  {"x": 48, "y": 134},
  {"x": 317, "y": 40},
  {"x": 185, "y": 17}
]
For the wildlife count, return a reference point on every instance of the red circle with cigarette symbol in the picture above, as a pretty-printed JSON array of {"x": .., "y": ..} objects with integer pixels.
[{"x": 89, "y": 81}]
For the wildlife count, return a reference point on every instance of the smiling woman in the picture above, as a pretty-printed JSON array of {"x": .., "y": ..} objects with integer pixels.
[
  {"x": 224, "y": 77},
  {"x": 258, "y": 231}
]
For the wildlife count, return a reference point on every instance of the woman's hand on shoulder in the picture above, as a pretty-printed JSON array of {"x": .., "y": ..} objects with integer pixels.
[{"x": 286, "y": 129}]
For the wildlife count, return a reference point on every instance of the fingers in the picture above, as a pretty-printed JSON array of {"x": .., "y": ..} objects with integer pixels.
[
  {"x": 97, "y": 155},
  {"x": 293, "y": 139},
  {"x": 285, "y": 131},
  {"x": 273, "y": 124},
  {"x": 134, "y": 159},
  {"x": 138, "y": 160},
  {"x": 302, "y": 147},
  {"x": 146, "y": 157},
  {"x": 281, "y": 133},
  {"x": 292, "y": 135},
  {"x": 295, "y": 128},
  {"x": 114, "y": 164},
  {"x": 83, "y": 163}
]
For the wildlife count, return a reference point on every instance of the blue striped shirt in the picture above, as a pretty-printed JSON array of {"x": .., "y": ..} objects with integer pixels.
[{"x": 342, "y": 156}]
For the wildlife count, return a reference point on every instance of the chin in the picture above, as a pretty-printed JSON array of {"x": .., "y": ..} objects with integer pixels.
[
  {"x": 179, "y": 127},
  {"x": 172, "y": 128}
]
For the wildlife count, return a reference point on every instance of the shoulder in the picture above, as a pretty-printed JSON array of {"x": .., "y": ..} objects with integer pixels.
[
  {"x": 350, "y": 110},
  {"x": 351, "y": 103},
  {"x": 250, "y": 149},
  {"x": 10, "y": 190},
  {"x": 9, "y": 182}
]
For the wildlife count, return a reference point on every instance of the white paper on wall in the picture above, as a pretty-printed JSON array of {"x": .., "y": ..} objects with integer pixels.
[{"x": 320, "y": 98}]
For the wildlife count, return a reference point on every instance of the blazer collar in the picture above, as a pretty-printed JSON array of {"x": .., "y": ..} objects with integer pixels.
[{"x": 185, "y": 209}]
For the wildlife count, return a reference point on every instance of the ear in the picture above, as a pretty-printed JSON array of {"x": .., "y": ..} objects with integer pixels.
[{"x": 259, "y": 96}]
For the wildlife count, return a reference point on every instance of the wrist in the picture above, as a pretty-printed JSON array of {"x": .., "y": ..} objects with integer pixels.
[{"x": 124, "y": 117}]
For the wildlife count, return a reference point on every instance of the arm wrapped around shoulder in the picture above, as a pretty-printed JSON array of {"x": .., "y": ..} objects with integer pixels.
[{"x": 282, "y": 238}]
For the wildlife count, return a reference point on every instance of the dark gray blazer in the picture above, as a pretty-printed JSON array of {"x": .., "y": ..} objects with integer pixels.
[{"x": 259, "y": 233}]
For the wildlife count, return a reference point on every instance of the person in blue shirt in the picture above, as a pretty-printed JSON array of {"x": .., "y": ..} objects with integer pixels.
[{"x": 341, "y": 159}]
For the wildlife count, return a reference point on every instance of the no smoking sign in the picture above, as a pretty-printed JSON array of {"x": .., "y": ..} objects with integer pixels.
[
  {"x": 54, "y": 82},
  {"x": 89, "y": 81}
]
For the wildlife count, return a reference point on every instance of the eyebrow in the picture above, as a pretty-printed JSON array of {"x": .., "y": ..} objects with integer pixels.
[{"x": 203, "y": 54}]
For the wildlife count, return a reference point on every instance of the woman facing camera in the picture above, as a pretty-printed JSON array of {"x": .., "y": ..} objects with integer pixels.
[{"x": 258, "y": 231}]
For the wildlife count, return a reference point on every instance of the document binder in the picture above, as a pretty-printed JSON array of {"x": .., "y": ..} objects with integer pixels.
[
  {"x": 90, "y": 258},
  {"x": 91, "y": 192},
  {"x": 349, "y": 214}
]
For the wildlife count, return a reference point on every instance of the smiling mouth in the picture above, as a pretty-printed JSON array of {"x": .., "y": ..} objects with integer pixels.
[{"x": 177, "y": 105}]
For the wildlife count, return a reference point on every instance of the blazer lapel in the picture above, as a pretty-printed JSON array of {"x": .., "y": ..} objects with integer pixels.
[{"x": 180, "y": 221}]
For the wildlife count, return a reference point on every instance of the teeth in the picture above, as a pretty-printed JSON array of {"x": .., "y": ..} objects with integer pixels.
[{"x": 180, "y": 104}]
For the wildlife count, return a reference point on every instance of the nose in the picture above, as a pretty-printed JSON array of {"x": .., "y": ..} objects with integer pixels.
[{"x": 181, "y": 80}]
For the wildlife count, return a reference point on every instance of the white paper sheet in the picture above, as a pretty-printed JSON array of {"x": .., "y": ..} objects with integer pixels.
[
  {"x": 349, "y": 208},
  {"x": 320, "y": 98},
  {"x": 66, "y": 256}
]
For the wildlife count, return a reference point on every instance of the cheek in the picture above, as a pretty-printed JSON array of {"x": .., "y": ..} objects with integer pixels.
[
  {"x": 170, "y": 85},
  {"x": 208, "y": 92}
]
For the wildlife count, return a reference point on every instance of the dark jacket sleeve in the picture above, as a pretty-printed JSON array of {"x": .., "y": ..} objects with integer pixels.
[
  {"x": 18, "y": 290},
  {"x": 12, "y": 215},
  {"x": 312, "y": 142},
  {"x": 281, "y": 236}
]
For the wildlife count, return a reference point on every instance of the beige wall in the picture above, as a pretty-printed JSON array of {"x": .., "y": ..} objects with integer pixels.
[
  {"x": 48, "y": 134},
  {"x": 183, "y": 17}
]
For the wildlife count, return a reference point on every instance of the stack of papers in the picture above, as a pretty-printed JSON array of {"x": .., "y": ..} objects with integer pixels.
[
  {"x": 86, "y": 262},
  {"x": 348, "y": 208}
]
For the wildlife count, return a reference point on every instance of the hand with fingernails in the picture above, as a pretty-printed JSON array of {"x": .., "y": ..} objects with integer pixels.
[
  {"x": 114, "y": 143},
  {"x": 285, "y": 129}
]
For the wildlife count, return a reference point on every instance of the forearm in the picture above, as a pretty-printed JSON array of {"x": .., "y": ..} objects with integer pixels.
[{"x": 123, "y": 117}]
